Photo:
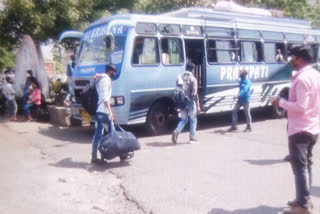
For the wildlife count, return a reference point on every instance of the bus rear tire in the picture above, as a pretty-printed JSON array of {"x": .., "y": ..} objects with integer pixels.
[{"x": 158, "y": 119}]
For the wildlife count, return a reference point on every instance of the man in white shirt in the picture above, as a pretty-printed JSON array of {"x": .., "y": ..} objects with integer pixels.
[{"x": 104, "y": 114}]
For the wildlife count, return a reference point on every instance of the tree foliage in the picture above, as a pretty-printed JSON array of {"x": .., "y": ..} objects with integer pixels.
[
  {"x": 159, "y": 6},
  {"x": 41, "y": 19},
  {"x": 6, "y": 58}
]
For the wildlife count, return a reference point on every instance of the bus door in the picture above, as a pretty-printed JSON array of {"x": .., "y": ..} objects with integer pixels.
[{"x": 195, "y": 54}]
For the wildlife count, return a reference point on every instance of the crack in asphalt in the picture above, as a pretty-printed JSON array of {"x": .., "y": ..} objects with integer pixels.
[
  {"x": 132, "y": 200},
  {"x": 126, "y": 195}
]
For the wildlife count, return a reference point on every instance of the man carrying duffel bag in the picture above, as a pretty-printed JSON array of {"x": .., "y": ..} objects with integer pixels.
[{"x": 104, "y": 114}]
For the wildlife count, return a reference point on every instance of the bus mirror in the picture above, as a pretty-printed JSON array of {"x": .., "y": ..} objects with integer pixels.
[{"x": 108, "y": 41}]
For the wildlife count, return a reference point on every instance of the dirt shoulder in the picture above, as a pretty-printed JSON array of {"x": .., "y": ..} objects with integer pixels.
[{"x": 39, "y": 174}]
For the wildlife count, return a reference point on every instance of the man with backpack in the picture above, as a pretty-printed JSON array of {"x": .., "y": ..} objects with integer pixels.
[
  {"x": 186, "y": 98},
  {"x": 104, "y": 114}
]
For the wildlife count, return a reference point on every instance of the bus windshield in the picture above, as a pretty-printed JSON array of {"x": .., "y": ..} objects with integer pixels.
[{"x": 93, "y": 51}]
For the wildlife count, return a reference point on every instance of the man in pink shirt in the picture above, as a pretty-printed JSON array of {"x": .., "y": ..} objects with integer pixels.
[{"x": 303, "y": 125}]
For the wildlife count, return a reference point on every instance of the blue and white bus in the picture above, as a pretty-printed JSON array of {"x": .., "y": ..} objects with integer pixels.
[{"x": 150, "y": 51}]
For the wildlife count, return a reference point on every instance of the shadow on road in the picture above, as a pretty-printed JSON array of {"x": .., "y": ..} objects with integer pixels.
[
  {"x": 257, "y": 210},
  {"x": 222, "y": 131},
  {"x": 84, "y": 134},
  {"x": 224, "y": 119},
  {"x": 69, "y": 163},
  {"x": 265, "y": 162},
  {"x": 211, "y": 121},
  {"x": 163, "y": 144},
  {"x": 71, "y": 134}
]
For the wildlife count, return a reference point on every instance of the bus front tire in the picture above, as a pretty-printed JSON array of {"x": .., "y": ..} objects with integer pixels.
[{"x": 158, "y": 119}]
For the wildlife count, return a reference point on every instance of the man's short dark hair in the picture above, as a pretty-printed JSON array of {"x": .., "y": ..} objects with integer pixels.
[
  {"x": 301, "y": 51},
  {"x": 30, "y": 72},
  {"x": 190, "y": 67},
  {"x": 111, "y": 67},
  {"x": 9, "y": 80}
]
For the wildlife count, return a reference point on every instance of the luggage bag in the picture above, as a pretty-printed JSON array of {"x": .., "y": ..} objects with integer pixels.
[{"x": 118, "y": 142}]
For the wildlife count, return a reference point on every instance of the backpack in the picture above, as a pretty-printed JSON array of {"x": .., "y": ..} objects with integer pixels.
[
  {"x": 182, "y": 94},
  {"x": 89, "y": 99}
]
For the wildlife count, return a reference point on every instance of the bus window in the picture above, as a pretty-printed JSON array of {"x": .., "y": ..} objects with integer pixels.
[
  {"x": 270, "y": 52},
  {"x": 280, "y": 57},
  {"x": 273, "y": 52},
  {"x": 221, "y": 51},
  {"x": 93, "y": 51},
  {"x": 145, "y": 51},
  {"x": 250, "y": 51},
  {"x": 171, "y": 51}
]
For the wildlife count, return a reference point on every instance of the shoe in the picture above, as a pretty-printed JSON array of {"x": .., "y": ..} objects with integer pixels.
[
  {"x": 97, "y": 161},
  {"x": 126, "y": 156},
  {"x": 193, "y": 140},
  {"x": 13, "y": 119},
  {"x": 232, "y": 128},
  {"x": 297, "y": 210},
  {"x": 248, "y": 129},
  {"x": 174, "y": 137},
  {"x": 294, "y": 203}
]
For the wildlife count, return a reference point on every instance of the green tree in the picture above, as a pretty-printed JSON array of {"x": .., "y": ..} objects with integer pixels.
[
  {"x": 160, "y": 6},
  {"x": 41, "y": 19},
  {"x": 6, "y": 58}
]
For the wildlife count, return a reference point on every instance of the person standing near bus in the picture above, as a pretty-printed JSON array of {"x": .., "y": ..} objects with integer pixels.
[
  {"x": 9, "y": 93},
  {"x": 104, "y": 114},
  {"x": 243, "y": 101},
  {"x": 190, "y": 109},
  {"x": 303, "y": 125},
  {"x": 27, "y": 86},
  {"x": 70, "y": 68}
]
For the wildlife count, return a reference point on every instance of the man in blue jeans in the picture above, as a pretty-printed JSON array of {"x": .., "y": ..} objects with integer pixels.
[
  {"x": 243, "y": 101},
  {"x": 104, "y": 114},
  {"x": 190, "y": 109}
]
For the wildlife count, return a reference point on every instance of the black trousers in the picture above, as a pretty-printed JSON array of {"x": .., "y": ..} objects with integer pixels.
[{"x": 300, "y": 150}]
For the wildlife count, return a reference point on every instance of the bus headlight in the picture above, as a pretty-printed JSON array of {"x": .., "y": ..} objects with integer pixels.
[
  {"x": 117, "y": 101},
  {"x": 120, "y": 100}
]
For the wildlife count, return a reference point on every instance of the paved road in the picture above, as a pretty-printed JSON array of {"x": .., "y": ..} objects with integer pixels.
[{"x": 45, "y": 170}]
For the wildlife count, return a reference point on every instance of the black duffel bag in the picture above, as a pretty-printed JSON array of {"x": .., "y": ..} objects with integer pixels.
[{"x": 117, "y": 142}]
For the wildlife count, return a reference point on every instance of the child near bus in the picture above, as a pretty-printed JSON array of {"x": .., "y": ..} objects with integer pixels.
[{"x": 9, "y": 93}]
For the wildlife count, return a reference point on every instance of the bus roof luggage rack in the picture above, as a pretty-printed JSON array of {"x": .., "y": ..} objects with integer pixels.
[{"x": 240, "y": 14}]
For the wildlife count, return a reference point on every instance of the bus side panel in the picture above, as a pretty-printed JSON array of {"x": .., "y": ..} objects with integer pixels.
[
  {"x": 151, "y": 83},
  {"x": 222, "y": 84}
]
